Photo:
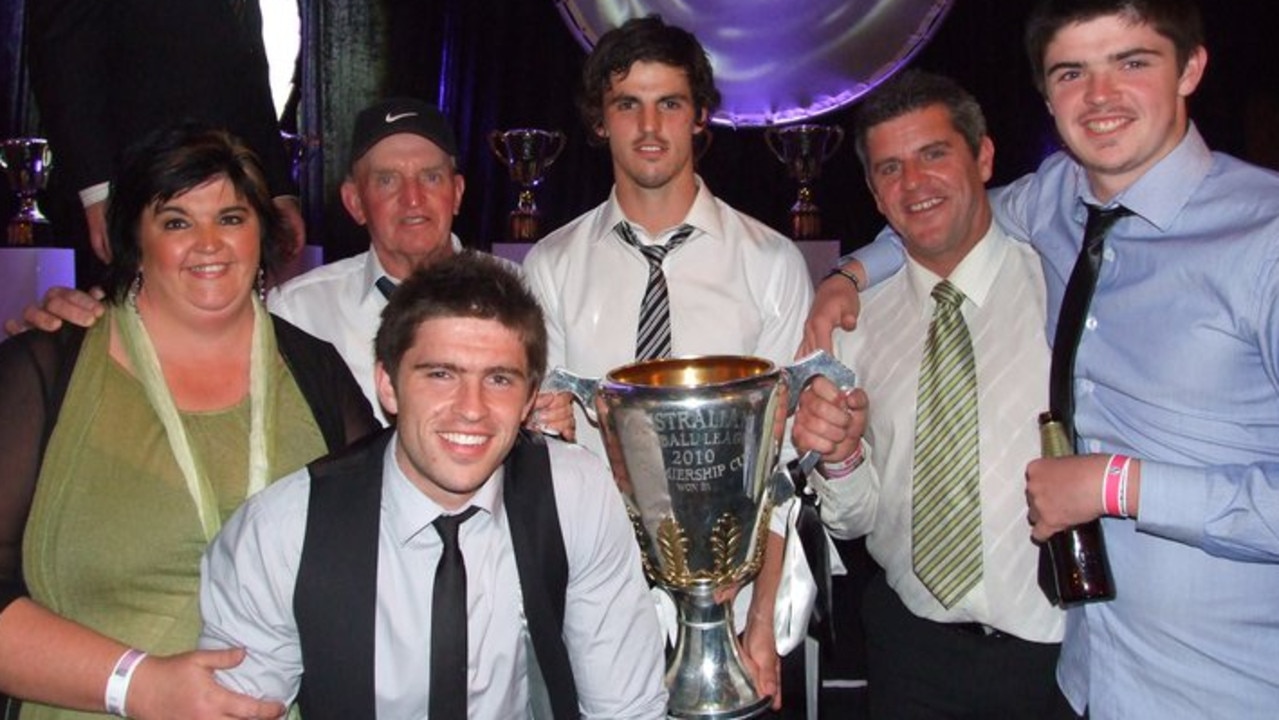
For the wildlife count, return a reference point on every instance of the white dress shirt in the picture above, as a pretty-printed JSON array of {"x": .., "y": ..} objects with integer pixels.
[
  {"x": 340, "y": 304},
  {"x": 736, "y": 287},
  {"x": 610, "y": 627},
  {"x": 1004, "y": 308}
]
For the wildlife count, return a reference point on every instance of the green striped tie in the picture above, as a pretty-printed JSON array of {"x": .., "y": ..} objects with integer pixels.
[{"x": 946, "y": 509}]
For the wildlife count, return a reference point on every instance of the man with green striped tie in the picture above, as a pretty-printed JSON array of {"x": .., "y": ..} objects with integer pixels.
[{"x": 926, "y": 459}]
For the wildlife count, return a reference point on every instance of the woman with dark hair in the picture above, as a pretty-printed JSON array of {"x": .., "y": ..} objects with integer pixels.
[{"x": 125, "y": 446}]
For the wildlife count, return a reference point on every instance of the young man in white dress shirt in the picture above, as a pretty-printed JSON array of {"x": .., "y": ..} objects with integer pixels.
[
  {"x": 735, "y": 285},
  {"x": 987, "y": 648},
  {"x": 461, "y": 351}
]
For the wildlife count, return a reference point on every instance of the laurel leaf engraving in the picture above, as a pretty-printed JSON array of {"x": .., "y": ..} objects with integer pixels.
[{"x": 673, "y": 545}]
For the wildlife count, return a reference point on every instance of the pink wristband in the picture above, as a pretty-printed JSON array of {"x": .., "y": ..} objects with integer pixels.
[
  {"x": 1114, "y": 487},
  {"x": 845, "y": 467}
]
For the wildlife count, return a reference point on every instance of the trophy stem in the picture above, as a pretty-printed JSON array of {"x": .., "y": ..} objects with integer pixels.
[{"x": 706, "y": 678}]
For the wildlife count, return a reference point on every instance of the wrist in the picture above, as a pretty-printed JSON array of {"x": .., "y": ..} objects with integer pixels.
[
  {"x": 1115, "y": 485},
  {"x": 843, "y": 468},
  {"x": 841, "y": 272}
]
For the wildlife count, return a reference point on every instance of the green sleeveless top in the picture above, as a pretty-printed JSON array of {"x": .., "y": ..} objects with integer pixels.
[{"x": 114, "y": 540}]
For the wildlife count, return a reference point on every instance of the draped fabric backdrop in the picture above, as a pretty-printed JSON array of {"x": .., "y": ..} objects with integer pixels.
[{"x": 501, "y": 64}]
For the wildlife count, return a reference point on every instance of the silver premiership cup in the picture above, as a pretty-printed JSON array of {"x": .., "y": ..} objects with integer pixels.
[{"x": 693, "y": 444}]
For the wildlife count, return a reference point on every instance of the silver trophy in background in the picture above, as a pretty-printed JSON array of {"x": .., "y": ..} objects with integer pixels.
[
  {"x": 693, "y": 444},
  {"x": 527, "y": 153},
  {"x": 803, "y": 149},
  {"x": 27, "y": 162}
]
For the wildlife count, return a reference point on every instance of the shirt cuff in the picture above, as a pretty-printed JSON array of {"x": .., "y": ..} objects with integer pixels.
[
  {"x": 95, "y": 194},
  {"x": 1172, "y": 503},
  {"x": 880, "y": 259}
]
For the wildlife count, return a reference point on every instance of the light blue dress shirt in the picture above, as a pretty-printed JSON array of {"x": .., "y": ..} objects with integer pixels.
[{"x": 1179, "y": 366}]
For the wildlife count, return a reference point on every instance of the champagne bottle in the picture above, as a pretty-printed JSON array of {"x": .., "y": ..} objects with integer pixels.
[{"x": 1080, "y": 571}]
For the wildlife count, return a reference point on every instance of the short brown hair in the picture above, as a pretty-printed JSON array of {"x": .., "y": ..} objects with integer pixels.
[
  {"x": 646, "y": 39},
  {"x": 167, "y": 163},
  {"x": 467, "y": 285},
  {"x": 1177, "y": 20}
]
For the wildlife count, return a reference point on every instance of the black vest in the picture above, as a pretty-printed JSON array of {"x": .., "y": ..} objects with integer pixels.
[{"x": 335, "y": 599}]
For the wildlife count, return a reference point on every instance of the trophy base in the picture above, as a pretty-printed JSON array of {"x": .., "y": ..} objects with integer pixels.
[
  {"x": 705, "y": 676},
  {"x": 805, "y": 224},
  {"x": 523, "y": 227},
  {"x": 28, "y": 234}
]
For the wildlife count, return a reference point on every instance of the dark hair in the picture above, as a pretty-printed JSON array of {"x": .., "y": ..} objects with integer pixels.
[
  {"x": 915, "y": 90},
  {"x": 467, "y": 285},
  {"x": 167, "y": 163},
  {"x": 646, "y": 39},
  {"x": 1177, "y": 20}
]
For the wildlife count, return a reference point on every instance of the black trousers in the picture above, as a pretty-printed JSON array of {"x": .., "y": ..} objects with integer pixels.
[{"x": 918, "y": 668}]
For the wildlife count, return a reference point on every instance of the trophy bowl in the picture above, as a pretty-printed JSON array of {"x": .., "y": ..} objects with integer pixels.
[
  {"x": 527, "y": 153},
  {"x": 26, "y": 162},
  {"x": 803, "y": 149},
  {"x": 693, "y": 444}
]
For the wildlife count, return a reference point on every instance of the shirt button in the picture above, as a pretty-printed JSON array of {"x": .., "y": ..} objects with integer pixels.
[
  {"x": 1091, "y": 323},
  {"x": 1108, "y": 254},
  {"x": 1085, "y": 386},
  {"x": 1094, "y": 446}
]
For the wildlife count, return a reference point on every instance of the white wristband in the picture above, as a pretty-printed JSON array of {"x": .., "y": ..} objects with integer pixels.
[{"x": 118, "y": 683}]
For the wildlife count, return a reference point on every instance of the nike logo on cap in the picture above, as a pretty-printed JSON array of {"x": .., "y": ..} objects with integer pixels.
[{"x": 392, "y": 118}]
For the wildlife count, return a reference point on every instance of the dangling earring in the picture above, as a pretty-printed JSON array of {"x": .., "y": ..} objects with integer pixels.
[
  {"x": 260, "y": 285},
  {"x": 134, "y": 288}
]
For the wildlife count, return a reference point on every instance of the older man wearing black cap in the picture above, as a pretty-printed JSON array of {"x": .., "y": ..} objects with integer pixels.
[{"x": 403, "y": 185}]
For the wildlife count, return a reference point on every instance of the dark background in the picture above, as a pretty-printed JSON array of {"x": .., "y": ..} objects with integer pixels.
[{"x": 499, "y": 64}]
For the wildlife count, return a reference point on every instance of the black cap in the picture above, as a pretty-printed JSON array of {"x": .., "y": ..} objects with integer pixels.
[{"x": 400, "y": 115}]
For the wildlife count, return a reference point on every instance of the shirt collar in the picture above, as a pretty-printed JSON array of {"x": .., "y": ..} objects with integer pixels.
[
  {"x": 373, "y": 270},
  {"x": 703, "y": 216},
  {"x": 974, "y": 275},
  {"x": 410, "y": 512},
  {"x": 1161, "y": 192}
]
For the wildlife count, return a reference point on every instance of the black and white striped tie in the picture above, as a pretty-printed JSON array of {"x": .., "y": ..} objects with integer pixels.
[{"x": 653, "y": 335}]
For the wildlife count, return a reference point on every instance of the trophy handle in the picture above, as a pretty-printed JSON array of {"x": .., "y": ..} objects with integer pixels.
[
  {"x": 770, "y": 139},
  {"x": 582, "y": 388},
  {"x": 496, "y": 138},
  {"x": 810, "y": 366},
  {"x": 798, "y": 376},
  {"x": 560, "y": 140},
  {"x": 831, "y": 147}
]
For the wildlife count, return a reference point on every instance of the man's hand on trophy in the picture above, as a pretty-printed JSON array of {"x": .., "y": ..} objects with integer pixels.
[
  {"x": 836, "y": 305},
  {"x": 60, "y": 304},
  {"x": 759, "y": 639},
  {"x": 552, "y": 414},
  {"x": 830, "y": 421}
]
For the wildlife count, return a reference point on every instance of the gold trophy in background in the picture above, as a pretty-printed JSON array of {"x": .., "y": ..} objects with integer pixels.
[
  {"x": 527, "y": 152},
  {"x": 26, "y": 161},
  {"x": 803, "y": 149}
]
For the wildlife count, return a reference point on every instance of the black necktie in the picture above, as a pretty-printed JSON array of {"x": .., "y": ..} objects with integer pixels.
[
  {"x": 653, "y": 335},
  {"x": 1074, "y": 309},
  {"x": 448, "y": 624},
  {"x": 386, "y": 286}
]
